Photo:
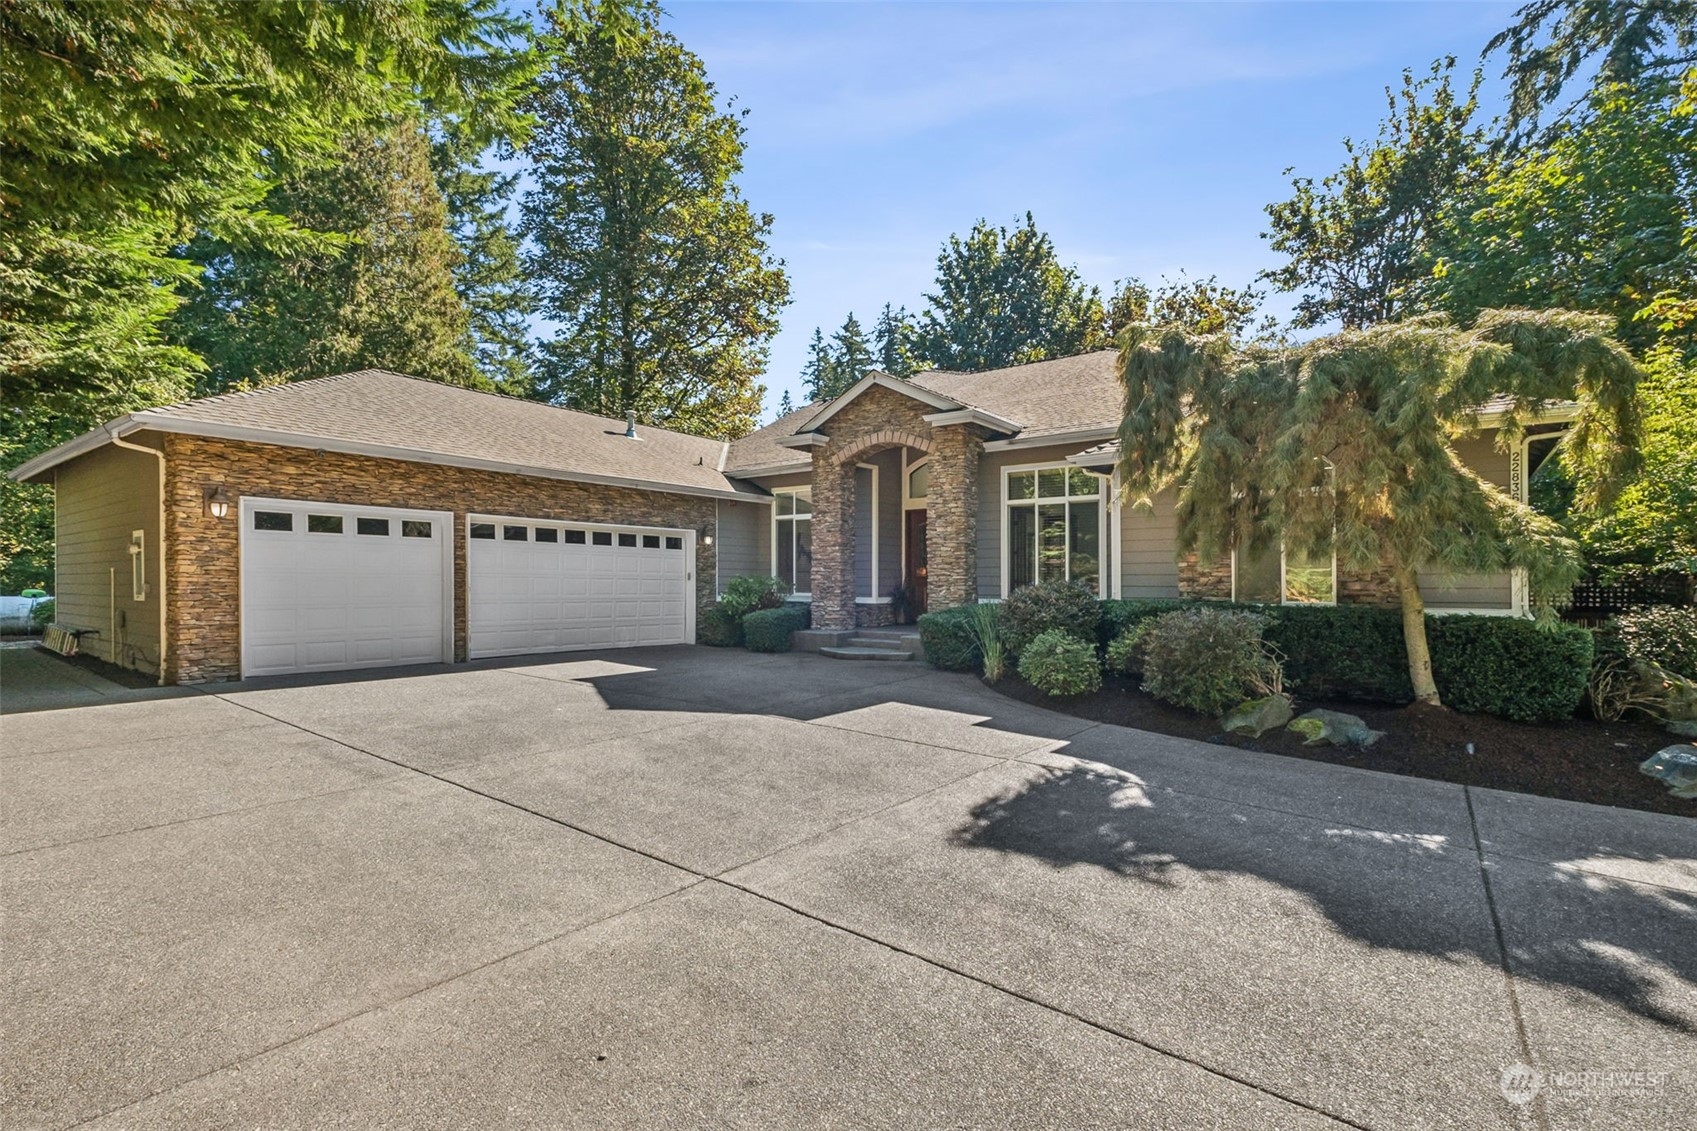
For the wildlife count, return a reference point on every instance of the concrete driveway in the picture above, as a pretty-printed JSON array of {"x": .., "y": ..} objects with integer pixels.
[{"x": 685, "y": 887}]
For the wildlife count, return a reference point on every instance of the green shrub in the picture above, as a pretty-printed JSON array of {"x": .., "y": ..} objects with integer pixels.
[
  {"x": 718, "y": 629},
  {"x": 41, "y": 613},
  {"x": 1664, "y": 635},
  {"x": 987, "y": 630},
  {"x": 950, "y": 639},
  {"x": 1059, "y": 663},
  {"x": 1053, "y": 606},
  {"x": 769, "y": 630},
  {"x": 1125, "y": 651},
  {"x": 1208, "y": 660},
  {"x": 1342, "y": 652},
  {"x": 744, "y": 595},
  {"x": 1510, "y": 667}
]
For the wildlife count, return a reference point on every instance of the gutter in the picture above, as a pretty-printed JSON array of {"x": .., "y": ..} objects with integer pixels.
[{"x": 113, "y": 432}]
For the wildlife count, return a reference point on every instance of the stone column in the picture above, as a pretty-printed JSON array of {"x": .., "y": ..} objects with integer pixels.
[
  {"x": 951, "y": 524},
  {"x": 833, "y": 541}
]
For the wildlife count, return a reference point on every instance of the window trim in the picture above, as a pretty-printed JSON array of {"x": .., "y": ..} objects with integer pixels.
[
  {"x": 138, "y": 565},
  {"x": 1102, "y": 527},
  {"x": 800, "y": 490}
]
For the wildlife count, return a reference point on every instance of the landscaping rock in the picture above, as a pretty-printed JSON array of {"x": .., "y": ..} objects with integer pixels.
[
  {"x": 1685, "y": 728},
  {"x": 1258, "y": 716},
  {"x": 1320, "y": 727},
  {"x": 1675, "y": 765}
]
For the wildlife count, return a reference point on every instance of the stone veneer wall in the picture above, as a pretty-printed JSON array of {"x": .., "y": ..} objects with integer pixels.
[
  {"x": 877, "y": 420},
  {"x": 203, "y": 564},
  {"x": 951, "y": 524}
]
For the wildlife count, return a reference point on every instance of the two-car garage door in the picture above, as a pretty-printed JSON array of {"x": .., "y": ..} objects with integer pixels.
[
  {"x": 536, "y": 586},
  {"x": 328, "y": 586}
]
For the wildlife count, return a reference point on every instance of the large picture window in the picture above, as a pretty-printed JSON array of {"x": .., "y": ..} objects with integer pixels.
[
  {"x": 1053, "y": 527},
  {"x": 792, "y": 539}
]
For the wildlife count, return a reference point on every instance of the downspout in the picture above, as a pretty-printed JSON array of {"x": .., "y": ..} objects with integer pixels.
[{"x": 164, "y": 638}]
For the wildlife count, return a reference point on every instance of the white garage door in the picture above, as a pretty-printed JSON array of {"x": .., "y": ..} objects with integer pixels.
[
  {"x": 536, "y": 586},
  {"x": 326, "y": 586}
]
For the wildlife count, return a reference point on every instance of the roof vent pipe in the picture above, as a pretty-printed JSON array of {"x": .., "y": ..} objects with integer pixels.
[{"x": 630, "y": 425}]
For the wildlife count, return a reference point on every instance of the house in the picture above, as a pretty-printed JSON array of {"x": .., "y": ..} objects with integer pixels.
[{"x": 373, "y": 518}]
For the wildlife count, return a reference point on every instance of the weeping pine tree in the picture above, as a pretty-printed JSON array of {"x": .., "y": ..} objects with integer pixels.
[{"x": 1348, "y": 442}]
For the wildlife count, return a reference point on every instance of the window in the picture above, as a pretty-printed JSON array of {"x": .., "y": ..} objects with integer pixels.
[
  {"x": 627, "y": 539},
  {"x": 1053, "y": 527},
  {"x": 515, "y": 533},
  {"x": 273, "y": 520},
  {"x": 650, "y": 541},
  {"x": 673, "y": 542},
  {"x": 483, "y": 530},
  {"x": 1281, "y": 575},
  {"x": 792, "y": 538},
  {"x": 323, "y": 524},
  {"x": 414, "y": 528},
  {"x": 574, "y": 537},
  {"x": 378, "y": 526},
  {"x": 603, "y": 538},
  {"x": 547, "y": 534},
  {"x": 919, "y": 482},
  {"x": 1284, "y": 577},
  {"x": 138, "y": 565}
]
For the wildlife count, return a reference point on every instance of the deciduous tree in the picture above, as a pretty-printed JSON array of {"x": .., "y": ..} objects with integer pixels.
[
  {"x": 648, "y": 261},
  {"x": 1002, "y": 298}
]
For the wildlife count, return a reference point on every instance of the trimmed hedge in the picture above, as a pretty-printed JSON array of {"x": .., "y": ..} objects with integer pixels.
[
  {"x": 769, "y": 630},
  {"x": 744, "y": 595},
  {"x": 1510, "y": 667},
  {"x": 1664, "y": 635},
  {"x": 1343, "y": 651},
  {"x": 717, "y": 628},
  {"x": 950, "y": 641},
  {"x": 1120, "y": 616}
]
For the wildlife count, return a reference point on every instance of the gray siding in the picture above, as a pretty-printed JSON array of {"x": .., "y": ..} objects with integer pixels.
[
  {"x": 990, "y": 468},
  {"x": 100, "y": 499},
  {"x": 1473, "y": 590},
  {"x": 1148, "y": 555},
  {"x": 744, "y": 541}
]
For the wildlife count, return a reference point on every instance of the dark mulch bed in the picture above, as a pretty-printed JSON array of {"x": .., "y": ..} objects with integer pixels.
[{"x": 1577, "y": 760}]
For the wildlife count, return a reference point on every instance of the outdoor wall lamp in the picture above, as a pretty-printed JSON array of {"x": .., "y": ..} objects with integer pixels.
[
  {"x": 217, "y": 502},
  {"x": 706, "y": 536}
]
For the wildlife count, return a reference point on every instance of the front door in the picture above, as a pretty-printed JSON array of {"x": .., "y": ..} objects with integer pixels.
[{"x": 914, "y": 567}]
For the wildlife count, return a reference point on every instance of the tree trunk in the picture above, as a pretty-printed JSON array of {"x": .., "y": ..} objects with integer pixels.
[{"x": 1414, "y": 638}]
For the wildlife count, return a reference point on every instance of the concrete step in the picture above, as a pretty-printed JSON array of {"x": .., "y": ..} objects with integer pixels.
[
  {"x": 850, "y": 652},
  {"x": 864, "y": 641},
  {"x": 886, "y": 633}
]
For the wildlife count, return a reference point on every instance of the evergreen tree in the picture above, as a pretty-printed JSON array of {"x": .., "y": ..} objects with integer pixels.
[
  {"x": 893, "y": 340},
  {"x": 853, "y": 354},
  {"x": 821, "y": 374},
  {"x": 490, "y": 274},
  {"x": 647, "y": 259},
  {"x": 785, "y": 405},
  {"x": 1347, "y": 443},
  {"x": 123, "y": 125},
  {"x": 1003, "y": 298},
  {"x": 383, "y": 296}
]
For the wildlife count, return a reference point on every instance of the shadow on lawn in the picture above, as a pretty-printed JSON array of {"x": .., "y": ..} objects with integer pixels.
[{"x": 1600, "y": 937}]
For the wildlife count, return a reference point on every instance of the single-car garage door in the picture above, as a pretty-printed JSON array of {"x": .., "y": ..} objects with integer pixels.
[
  {"x": 327, "y": 586},
  {"x": 538, "y": 586}
]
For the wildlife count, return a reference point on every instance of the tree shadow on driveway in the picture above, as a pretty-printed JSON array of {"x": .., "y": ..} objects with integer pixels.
[{"x": 1603, "y": 937}]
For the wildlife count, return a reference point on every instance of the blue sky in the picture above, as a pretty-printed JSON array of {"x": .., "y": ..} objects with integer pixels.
[{"x": 1146, "y": 138}]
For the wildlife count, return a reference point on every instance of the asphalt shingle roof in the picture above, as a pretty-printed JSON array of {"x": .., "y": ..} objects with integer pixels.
[
  {"x": 448, "y": 423},
  {"x": 1068, "y": 394}
]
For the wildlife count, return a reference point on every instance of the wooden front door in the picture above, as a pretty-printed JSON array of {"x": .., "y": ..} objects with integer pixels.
[{"x": 914, "y": 568}]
